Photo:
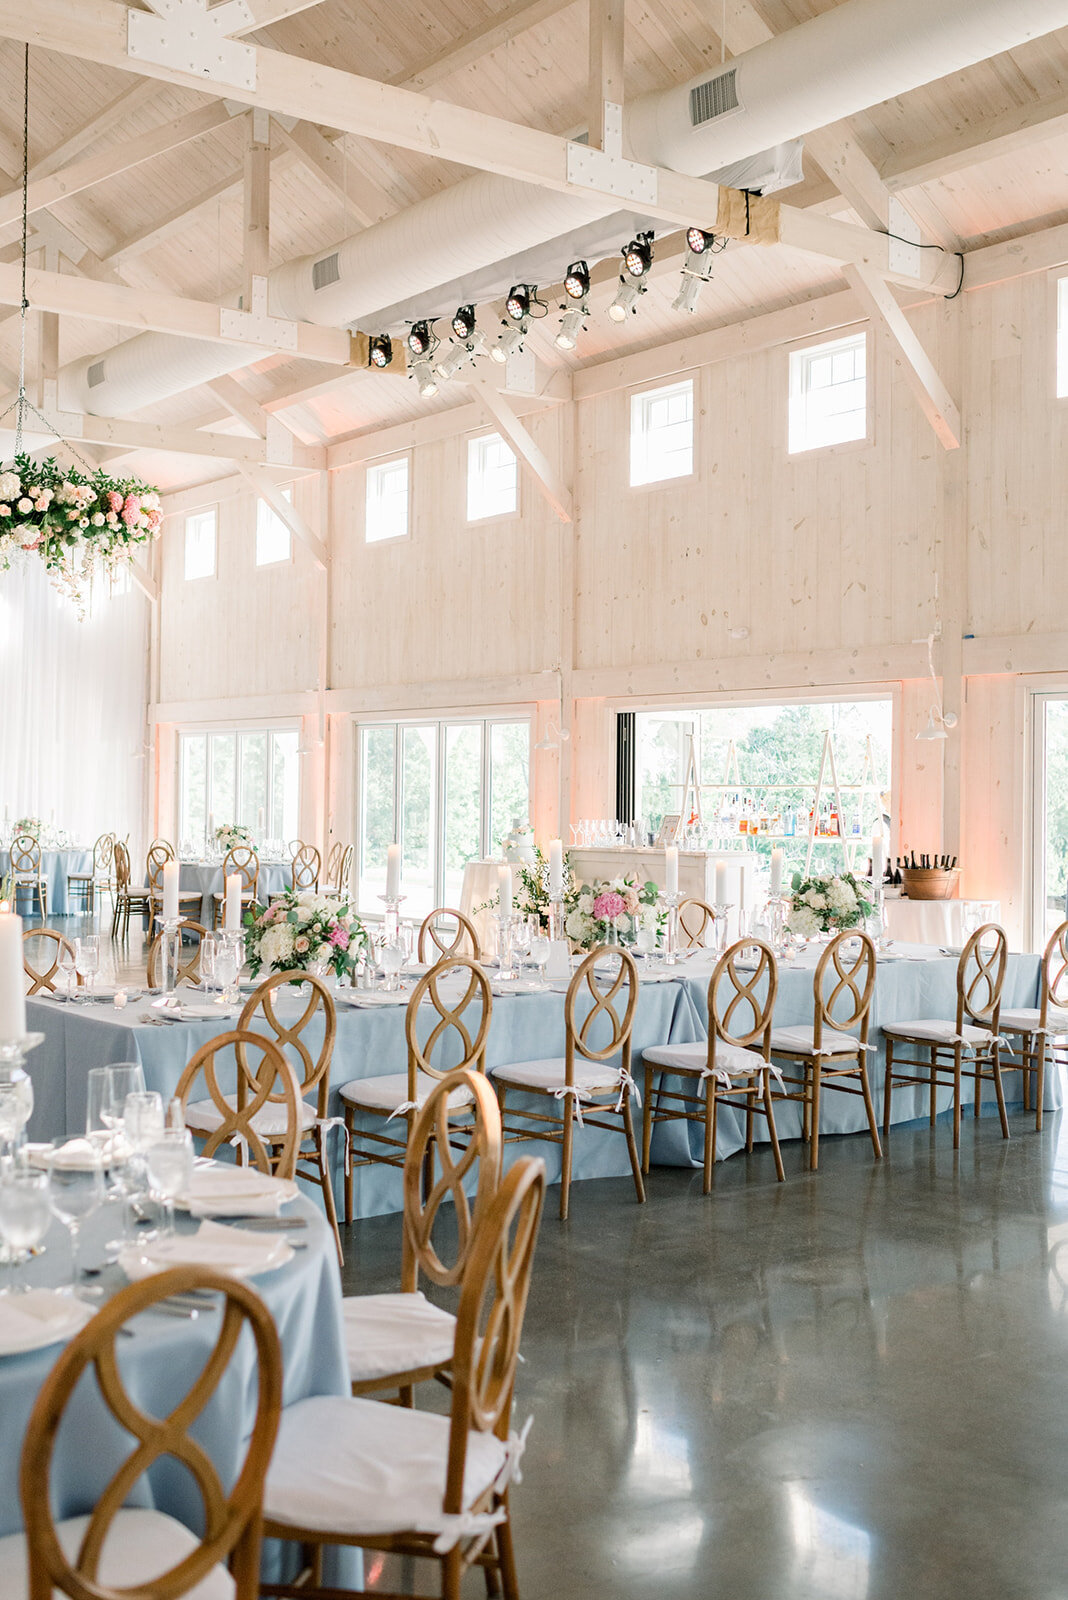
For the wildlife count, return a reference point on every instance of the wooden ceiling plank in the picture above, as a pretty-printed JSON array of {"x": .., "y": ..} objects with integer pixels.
[
  {"x": 267, "y": 12},
  {"x": 134, "y": 98},
  {"x": 967, "y": 146},
  {"x": 477, "y": 42},
  {"x": 367, "y": 202}
]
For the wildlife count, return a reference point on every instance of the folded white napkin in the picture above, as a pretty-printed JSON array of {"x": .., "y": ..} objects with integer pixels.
[
  {"x": 379, "y": 997},
  {"x": 208, "y": 1011},
  {"x": 227, "y": 1250},
  {"x": 220, "y": 1191},
  {"x": 41, "y": 1317}
]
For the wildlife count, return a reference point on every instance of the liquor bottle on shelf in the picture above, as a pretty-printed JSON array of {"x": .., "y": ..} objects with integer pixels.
[
  {"x": 832, "y": 822},
  {"x": 789, "y": 824}
]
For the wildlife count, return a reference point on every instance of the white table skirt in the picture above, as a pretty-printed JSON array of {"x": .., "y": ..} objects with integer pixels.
[{"x": 936, "y": 922}]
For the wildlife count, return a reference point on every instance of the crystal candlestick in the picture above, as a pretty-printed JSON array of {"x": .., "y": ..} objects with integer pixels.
[
  {"x": 16, "y": 1091},
  {"x": 557, "y": 920},
  {"x": 391, "y": 919},
  {"x": 170, "y": 946},
  {"x": 722, "y": 911},
  {"x": 505, "y": 952},
  {"x": 671, "y": 931},
  {"x": 229, "y": 959}
]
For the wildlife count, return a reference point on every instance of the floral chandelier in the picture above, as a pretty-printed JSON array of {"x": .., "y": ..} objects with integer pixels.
[{"x": 74, "y": 521}]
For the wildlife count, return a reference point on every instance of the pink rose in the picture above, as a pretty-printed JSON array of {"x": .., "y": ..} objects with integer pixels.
[
  {"x": 301, "y": 944},
  {"x": 608, "y": 906},
  {"x": 114, "y": 501},
  {"x": 339, "y": 937}
]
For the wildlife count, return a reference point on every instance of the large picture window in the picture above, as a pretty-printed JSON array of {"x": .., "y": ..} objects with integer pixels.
[
  {"x": 246, "y": 775},
  {"x": 447, "y": 792}
]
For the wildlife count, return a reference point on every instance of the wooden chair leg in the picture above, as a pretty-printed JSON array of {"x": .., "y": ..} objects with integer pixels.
[
  {"x": 773, "y": 1132},
  {"x": 451, "y": 1574},
  {"x": 326, "y": 1177},
  {"x": 647, "y": 1117},
  {"x": 711, "y": 1105},
  {"x": 887, "y": 1082},
  {"x": 933, "y": 1090},
  {"x": 999, "y": 1089},
  {"x": 632, "y": 1146},
  {"x": 750, "y": 1101},
  {"x": 565, "y": 1156},
  {"x": 350, "y": 1170},
  {"x": 506, "y": 1556},
  {"x": 956, "y": 1094},
  {"x": 814, "y": 1144},
  {"x": 1040, "y": 1079},
  {"x": 869, "y": 1106}
]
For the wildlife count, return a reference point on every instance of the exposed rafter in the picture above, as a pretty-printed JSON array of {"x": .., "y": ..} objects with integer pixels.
[
  {"x": 269, "y": 490},
  {"x": 179, "y": 440},
  {"x": 367, "y": 202},
  {"x": 919, "y": 371},
  {"x": 966, "y": 146},
  {"x": 549, "y": 483},
  {"x": 480, "y": 41}
]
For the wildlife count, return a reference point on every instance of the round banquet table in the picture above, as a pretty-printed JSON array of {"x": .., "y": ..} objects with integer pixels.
[
  {"x": 55, "y": 867},
  {"x": 158, "y": 1365}
]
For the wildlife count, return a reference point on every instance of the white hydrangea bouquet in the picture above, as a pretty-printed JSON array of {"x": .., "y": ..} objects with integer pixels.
[
  {"x": 827, "y": 905},
  {"x": 230, "y": 834},
  {"x": 303, "y": 931}
]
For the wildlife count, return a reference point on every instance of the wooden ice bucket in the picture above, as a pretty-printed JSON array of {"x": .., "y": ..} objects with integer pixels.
[{"x": 930, "y": 883}]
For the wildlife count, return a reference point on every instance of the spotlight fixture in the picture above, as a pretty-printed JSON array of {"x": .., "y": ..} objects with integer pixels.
[
  {"x": 510, "y": 341},
  {"x": 689, "y": 293},
  {"x": 421, "y": 339},
  {"x": 463, "y": 323},
  {"x": 456, "y": 356},
  {"x": 423, "y": 373},
  {"x": 638, "y": 255},
  {"x": 577, "y": 281},
  {"x": 572, "y": 324},
  {"x": 380, "y": 347},
  {"x": 519, "y": 300},
  {"x": 626, "y": 300},
  {"x": 698, "y": 241}
]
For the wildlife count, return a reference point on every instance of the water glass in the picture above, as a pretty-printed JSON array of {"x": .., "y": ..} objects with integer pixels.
[
  {"x": 16, "y": 1106},
  {"x": 645, "y": 940},
  {"x": 169, "y": 1160},
  {"x": 69, "y": 970},
  {"x": 75, "y": 1189},
  {"x": 25, "y": 1215},
  {"x": 209, "y": 947},
  {"x": 143, "y": 1119},
  {"x": 228, "y": 958},
  {"x": 539, "y": 954},
  {"x": 391, "y": 960},
  {"x": 87, "y": 959}
]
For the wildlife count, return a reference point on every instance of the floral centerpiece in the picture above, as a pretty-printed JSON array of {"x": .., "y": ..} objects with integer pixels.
[
  {"x": 72, "y": 520},
  {"x": 230, "y": 834},
  {"x": 30, "y": 825},
  {"x": 608, "y": 911},
  {"x": 304, "y": 931},
  {"x": 532, "y": 886},
  {"x": 827, "y": 905}
]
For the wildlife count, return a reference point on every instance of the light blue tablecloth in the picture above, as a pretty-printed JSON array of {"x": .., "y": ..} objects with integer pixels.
[
  {"x": 159, "y": 1364},
  {"x": 206, "y": 878},
  {"x": 55, "y": 866}
]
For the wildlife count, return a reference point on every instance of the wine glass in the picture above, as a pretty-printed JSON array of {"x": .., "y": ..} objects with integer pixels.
[
  {"x": 539, "y": 954},
  {"x": 645, "y": 940},
  {"x": 521, "y": 937},
  {"x": 16, "y": 1107},
  {"x": 169, "y": 1159},
  {"x": 209, "y": 948},
  {"x": 142, "y": 1116},
  {"x": 75, "y": 1189},
  {"x": 227, "y": 967},
  {"x": 87, "y": 959},
  {"x": 25, "y": 1214},
  {"x": 68, "y": 968},
  {"x": 391, "y": 960}
]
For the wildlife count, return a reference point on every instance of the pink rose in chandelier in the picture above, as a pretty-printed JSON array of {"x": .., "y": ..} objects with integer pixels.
[
  {"x": 608, "y": 906},
  {"x": 131, "y": 510},
  {"x": 115, "y": 501}
]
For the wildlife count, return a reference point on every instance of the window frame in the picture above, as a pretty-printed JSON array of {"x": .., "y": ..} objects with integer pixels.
[
  {"x": 471, "y": 440},
  {"x": 207, "y": 730},
  {"x": 211, "y": 511},
  {"x": 375, "y": 466},
  {"x": 286, "y": 490},
  {"x": 441, "y": 722},
  {"x": 799, "y": 347},
  {"x": 638, "y": 394}
]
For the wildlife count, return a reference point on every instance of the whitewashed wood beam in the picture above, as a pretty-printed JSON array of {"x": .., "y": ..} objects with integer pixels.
[
  {"x": 282, "y": 447},
  {"x": 240, "y": 404},
  {"x": 148, "y": 585},
  {"x": 134, "y": 98},
  {"x": 910, "y": 357},
  {"x": 367, "y": 202},
  {"x": 257, "y": 197},
  {"x": 166, "y": 313},
  {"x": 269, "y": 490},
  {"x": 96, "y": 30},
  {"x": 82, "y": 427},
  {"x": 1017, "y": 258},
  {"x": 1003, "y": 134},
  {"x": 547, "y": 479},
  {"x": 479, "y": 41},
  {"x": 110, "y": 163},
  {"x": 178, "y": 219},
  {"x": 266, "y": 12},
  {"x": 604, "y": 108}
]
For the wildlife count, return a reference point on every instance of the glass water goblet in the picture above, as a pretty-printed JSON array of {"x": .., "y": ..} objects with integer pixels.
[
  {"x": 645, "y": 941},
  {"x": 209, "y": 948},
  {"x": 69, "y": 970},
  {"x": 539, "y": 954},
  {"x": 169, "y": 1161},
  {"x": 521, "y": 937},
  {"x": 75, "y": 1190},
  {"x": 87, "y": 960},
  {"x": 391, "y": 960},
  {"x": 227, "y": 967},
  {"x": 25, "y": 1215}
]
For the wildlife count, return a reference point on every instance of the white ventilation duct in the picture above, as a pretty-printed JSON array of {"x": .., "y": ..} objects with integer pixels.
[{"x": 858, "y": 54}]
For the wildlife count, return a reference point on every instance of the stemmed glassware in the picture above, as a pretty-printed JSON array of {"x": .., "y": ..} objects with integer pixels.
[
  {"x": 87, "y": 960},
  {"x": 391, "y": 960},
  {"x": 521, "y": 938},
  {"x": 539, "y": 954},
  {"x": 209, "y": 949},
  {"x": 169, "y": 1161},
  {"x": 25, "y": 1214},
  {"x": 68, "y": 967},
  {"x": 228, "y": 958},
  {"x": 75, "y": 1189}
]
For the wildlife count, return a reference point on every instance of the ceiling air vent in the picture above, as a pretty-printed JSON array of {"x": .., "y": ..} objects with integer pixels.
[
  {"x": 95, "y": 374},
  {"x": 325, "y": 272},
  {"x": 714, "y": 98}
]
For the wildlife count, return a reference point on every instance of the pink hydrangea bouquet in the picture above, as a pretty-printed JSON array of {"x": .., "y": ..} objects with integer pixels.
[
  {"x": 609, "y": 910},
  {"x": 304, "y": 931}
]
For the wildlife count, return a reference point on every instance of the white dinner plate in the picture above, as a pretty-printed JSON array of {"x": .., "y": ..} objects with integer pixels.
[
  {"x": 209, "y": 1011},
  {"x": 219, "y": 1189},
  {"x": 39, "y": 1318},
  {"x": 231, "y": 1251}
]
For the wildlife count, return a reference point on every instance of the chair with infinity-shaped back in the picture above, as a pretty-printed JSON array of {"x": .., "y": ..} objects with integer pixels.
[
  {"x": 158, "y": 855},
  {"x": 440, "y": 1019},
  {"x": 332, "y": 874},
  {"x": 307, "y": 866},
  {"x": 397, "y": 1340},
  {"x": 1043, "y": 1028},
  {"x": 732, "y": 1067},
  {"x": 242, "y": 862},
  {"x": 436, "y": 940},
  {"x": 262, "y": 1115},
  {"x": 189, "y": 970},
  {"x": 129, "y": 901},
  {"x": 27, "y": 872},
  {"x": 99, "y": 876},
  {"x": 42, "y": 979},
  {"x": 967, "y": 1047},
  {"x": 123, "y": 1549},
  {"x": 696, "y": 920},
  {"x": 583, "y": 1076},
  {"x": 826, "y": 1052}
]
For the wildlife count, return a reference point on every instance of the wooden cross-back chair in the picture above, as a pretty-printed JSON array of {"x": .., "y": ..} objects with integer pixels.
[
  {"x": 334, "y": 879},
  {"x": 99, "y": 877},
  {"x": 27, "y": 872},
  {"x": 243, "y": 861},
  {"x": 326, "y": 1473},
  {"x": 732, "y": 1067},
  {"x": 394, "y": 1341},
  {"x": 1042, "y": 1029},
  {"x": 129, "y": 901},
  {"x": 696, "y": 917},
  {"x": 159, "y": 854},
  {"x": 122, "y": 1550},
  {"x": 828, "y": 1054},
  {"x": 44, "y": 980},
  {"x": 969, "y": 1046},
  {"x": 435, "y": 942},
  {"x": 583, "y": 1079},
  {"x": 189, "y": 970},
  {"x": 400, "y": 1095},
  {"x": 307, "y": 865},
  {"x": 262, "y": 1115}
]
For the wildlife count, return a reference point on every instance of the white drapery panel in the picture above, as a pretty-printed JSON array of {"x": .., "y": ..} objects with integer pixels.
[{"x": 73, "y": 706}]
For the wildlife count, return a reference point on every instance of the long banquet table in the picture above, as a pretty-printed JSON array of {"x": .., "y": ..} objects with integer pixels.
[
  {"x": 56, "y": 866},
  {"x": 206, "y": 879},
  {"x": 370, "y": 1041}
]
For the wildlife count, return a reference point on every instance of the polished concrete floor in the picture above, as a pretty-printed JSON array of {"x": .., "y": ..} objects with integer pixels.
[{"x": 852, "y": 1386}]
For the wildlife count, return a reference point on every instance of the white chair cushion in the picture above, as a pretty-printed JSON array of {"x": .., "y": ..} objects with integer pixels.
[
  {"x": 803, "y": 1040},
  {"x": 1027, "y": 1021},
  {"x": 386, "y": 1333},
  {"x": 139, "y": 1546},
  {"x": 360, "y": 1466},
  {"x": 937, "y": 1031},
  {"x": 391, "y": 1091},
  {"x": 591, "y": 1077},
  {"x": 204, "y": 1116},
  {"x": 694, "y": 1057}
]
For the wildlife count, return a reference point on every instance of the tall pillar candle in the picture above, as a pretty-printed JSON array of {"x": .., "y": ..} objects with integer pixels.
[
  {"x": 393, "y": 872},
  {"x": 232, "y": 911},
  {"x": 721, "y": 884},
  {"x": 12, "y": 981},
  {"x": 171, "y": 872},
  {"x": 671, "y": 869},
  {"x": 556, "y": 869},
  {"x": 878, "y": 856},
  {"x": 504, "y": 880},
  {"x": 776, "y": 872}
]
